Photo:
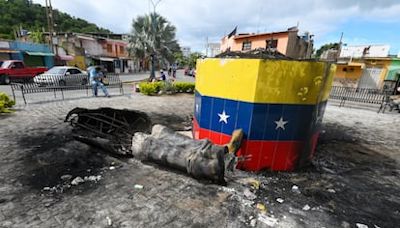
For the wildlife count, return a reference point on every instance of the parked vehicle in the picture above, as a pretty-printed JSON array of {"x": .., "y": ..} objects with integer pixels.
[
  {"x": 16, "y": 69},
  {"x": 62, "y": 76},
  {"x": 190, "y": 72}
]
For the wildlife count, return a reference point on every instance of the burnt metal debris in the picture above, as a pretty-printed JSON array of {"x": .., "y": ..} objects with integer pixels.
[
  {"x": 107, "y": 128},
  {"x": 129, "y": 133},
  {"x": 259, "y": 53}
]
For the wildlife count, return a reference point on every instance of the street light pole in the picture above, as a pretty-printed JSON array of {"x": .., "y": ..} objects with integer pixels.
[{"x": 49, "y": 23}]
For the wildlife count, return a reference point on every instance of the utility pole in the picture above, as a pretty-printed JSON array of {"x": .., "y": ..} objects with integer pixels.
[
  {"x": 339, "y": 48},
  {"x": 207, "y": 46},
  {"x": 50, "y": 23},
  {"x": 153, "y": 25}
]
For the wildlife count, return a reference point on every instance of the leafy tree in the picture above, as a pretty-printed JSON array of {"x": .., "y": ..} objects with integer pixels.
[
  {"x": 36, "y": 37},
  {"x": 153, "y": 37},
  {"x": 193, "y": 59},
  {"x": 180, "y": 59},
  {"x": 326, "y": 47},
  {"x": 23, "y": 13}
]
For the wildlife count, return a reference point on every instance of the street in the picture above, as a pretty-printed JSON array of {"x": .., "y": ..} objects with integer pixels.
[
  {"x": 127, "y": 79},
  {"x": 142, "y": 76}
]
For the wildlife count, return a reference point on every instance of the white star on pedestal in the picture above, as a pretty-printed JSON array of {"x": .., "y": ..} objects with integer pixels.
[
  {"x": 223, "y": 117},
  {"x": 280, "y": 123}
]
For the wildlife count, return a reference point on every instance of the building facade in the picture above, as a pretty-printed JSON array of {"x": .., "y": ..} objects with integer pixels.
[
  {"x": 287, "y": 42},
  {"x": 5, "y": 51},
  {"x": 366, "y": 67},
  {"x": 82, "y": 50},
  {"x": 33, "y": 54},
  {"x": 185, "y": 51},
  {"x": 213, "y": 49}
]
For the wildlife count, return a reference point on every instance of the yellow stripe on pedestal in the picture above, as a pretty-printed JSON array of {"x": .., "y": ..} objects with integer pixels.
[{"x": 264, "y": 81}]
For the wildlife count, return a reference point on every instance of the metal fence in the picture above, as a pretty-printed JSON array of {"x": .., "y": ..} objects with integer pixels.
[
  {"x": 61, "y": 87},
  {"x": 369, "y": 96}
]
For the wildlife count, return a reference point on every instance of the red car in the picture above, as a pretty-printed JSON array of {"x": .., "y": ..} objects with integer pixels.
[{"x": 16, "y": 69}]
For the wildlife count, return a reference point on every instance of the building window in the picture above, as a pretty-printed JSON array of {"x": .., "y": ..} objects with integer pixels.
[
  {"x": 246, "y": 46},
  {"x": 271, "y": 43},
  {"x": 109, "y": 48},
  {"x": 121, "y": 49}
]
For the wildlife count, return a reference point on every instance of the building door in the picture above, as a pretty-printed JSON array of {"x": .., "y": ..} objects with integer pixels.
[
  {"x": 33, "y": 60},
  {"x": 370, "y": 79}
]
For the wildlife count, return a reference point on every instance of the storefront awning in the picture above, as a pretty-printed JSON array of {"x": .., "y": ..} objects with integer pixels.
[
  {"x": 39, "y": 53},
  {"x": 106, "y": 59},
  {"x": 8, "y": 51},
  {"x": 65, "y": 57}
]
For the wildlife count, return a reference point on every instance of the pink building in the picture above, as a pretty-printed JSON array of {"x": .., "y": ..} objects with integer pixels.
[{"x": 286, "y": 42}]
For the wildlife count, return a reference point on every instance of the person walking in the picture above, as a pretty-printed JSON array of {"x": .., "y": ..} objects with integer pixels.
[
  {"x": 174, "y": 68},
  {"x": 95, "y": 80}
]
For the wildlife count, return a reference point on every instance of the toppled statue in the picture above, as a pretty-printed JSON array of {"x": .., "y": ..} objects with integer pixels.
[
  {"x": 199, "y": 158},
  {"x": 127, "y": 133}
]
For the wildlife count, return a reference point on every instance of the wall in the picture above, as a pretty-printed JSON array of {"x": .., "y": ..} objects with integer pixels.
[
  {"x": 78, "y": 61},
  {"x": 299, "y": 47},
  {"x": 379, "y": 63},
  {"x": 32, "y": 47},
  {"x": 115, "y": 48},
  {"x": 227, "y": 43},
  {"x": 260, "y": 42},
  {"x": 348, "y": 77},
  {"x": 348, "y": 72},
  {"x": 26, "y": 46},
  {"x": 92, "y": 47},
  {"x": 394, "y": 70}
]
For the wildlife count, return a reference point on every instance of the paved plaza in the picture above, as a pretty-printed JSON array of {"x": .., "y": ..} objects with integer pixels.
[{"x": 354, "y": 178}]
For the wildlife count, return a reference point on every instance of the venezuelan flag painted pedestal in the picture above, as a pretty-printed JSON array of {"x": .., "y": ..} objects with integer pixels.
[{"x": 278, "y": 104}]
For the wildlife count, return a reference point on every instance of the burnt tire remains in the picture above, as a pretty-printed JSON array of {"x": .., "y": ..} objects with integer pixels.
[{"x": 108, "y": 129}]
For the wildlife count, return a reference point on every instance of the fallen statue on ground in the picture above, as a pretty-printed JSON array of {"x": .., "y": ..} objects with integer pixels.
[
  {"x": 199, "y": 158},
  {"x": 126, "y": 133}
]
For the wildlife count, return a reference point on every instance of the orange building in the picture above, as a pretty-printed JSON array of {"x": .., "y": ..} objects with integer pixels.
[
  {"x": 115, "y": 48},
  {"x": 286, "y": 42}
]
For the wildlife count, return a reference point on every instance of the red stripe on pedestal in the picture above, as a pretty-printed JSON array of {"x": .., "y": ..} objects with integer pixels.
[{"x": 273, "y": 155}]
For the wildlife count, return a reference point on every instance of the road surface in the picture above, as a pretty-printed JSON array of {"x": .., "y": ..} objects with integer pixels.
[{"x": 125, "y": 78}]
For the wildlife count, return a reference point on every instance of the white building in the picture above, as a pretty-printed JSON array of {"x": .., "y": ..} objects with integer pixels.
[
  {"x": 186, "y": 51},
  {"x": 359, "y": 51},
  {"x": 213, "y": 49}
]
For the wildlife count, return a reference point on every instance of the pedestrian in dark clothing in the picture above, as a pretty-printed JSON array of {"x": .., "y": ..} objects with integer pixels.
[{"x": 163, "y": 76}]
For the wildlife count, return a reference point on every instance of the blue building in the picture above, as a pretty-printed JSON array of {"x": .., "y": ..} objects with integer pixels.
[{"x": 32, "y": 54}]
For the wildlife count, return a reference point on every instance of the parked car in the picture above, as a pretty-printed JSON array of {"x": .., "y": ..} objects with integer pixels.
[
  {"x": 16, "y": 70},
  {"x": 62, "y": 76},
  {"x": 190, "y": 72}
]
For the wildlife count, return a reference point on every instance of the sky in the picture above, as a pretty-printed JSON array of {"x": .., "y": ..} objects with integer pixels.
[{"x": 361, "y": 21}]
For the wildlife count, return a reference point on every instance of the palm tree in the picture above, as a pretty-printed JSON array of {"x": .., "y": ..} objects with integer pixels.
[{"x": 153, "y": 37}]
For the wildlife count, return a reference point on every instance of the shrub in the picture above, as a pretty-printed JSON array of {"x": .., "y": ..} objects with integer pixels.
[
  {"x": 150, "y": 88},
  {"x": 168, "y": 87},
  {"x": 184, "y": 87},
  {"x": 5, "y": 103}
]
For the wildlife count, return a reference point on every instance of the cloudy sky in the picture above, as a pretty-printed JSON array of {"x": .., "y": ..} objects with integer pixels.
[{"x": 361, "y": 21}]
